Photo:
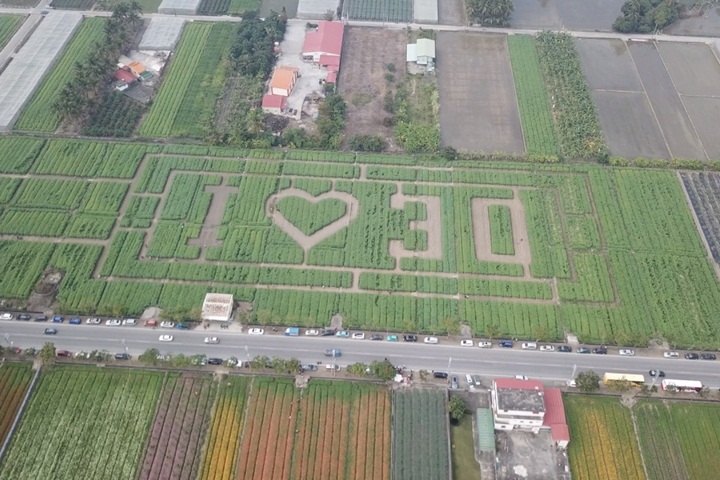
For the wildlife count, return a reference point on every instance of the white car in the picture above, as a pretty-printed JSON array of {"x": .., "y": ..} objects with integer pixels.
[
  {"x": 93, "y": 321},
  {"x": 6, "y": 316},
  {"x": 547, "y": 348},
  {"x": 627, "y": 352},
  {"x": 358, "y": 336},
  {"x": 113, "y": 322},
  {"x": 212, "y": 340},
  {"x": 521, "y": 377},
  {"x": 671, "y": 355},
  {"x": 167, "y": 325},
  {"x": 431, "y": 340},
  {"x": 166, "y": 338},
  {"x": 256, "y": 331},
  {"x": 312, "y": 332},
  {"x": 469, "y": 380},
  {"x": 529, "y": 346},
  {"x": 466, "y": 343},
  {"x": 485, "y": 344},
  {"x": 129, "y": 321}
]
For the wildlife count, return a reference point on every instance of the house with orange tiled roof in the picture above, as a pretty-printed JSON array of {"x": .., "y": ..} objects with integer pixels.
[{"x": 283, "y": 81}]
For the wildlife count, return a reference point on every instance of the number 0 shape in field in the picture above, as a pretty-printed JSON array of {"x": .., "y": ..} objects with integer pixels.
[{"x": 306, "y": 242}]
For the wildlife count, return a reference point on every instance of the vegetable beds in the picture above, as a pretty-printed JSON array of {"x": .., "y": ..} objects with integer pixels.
[{"x": 14, "y": 382}]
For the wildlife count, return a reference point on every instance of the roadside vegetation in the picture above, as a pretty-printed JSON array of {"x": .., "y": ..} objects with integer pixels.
[
  {"x": 647, "y": 16},
  {"x": 490, "y": 13}
]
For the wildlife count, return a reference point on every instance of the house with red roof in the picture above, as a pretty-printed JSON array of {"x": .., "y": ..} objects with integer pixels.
[
  {"x": 527, "y": 405},
  {"x": 275, "y": 104},
  {"x": 325, "y": 41},
  {"x": 124, "y": 74}
]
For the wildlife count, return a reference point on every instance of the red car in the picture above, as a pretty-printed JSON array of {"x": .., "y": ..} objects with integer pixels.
[{"x": 64, "y": 353}]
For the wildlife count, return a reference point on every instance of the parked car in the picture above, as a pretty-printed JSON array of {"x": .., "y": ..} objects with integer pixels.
[
  {"x": 547, "y": 348},
  {"x": 564, "y": 348},
  {"x": 198, "y": 360},
  {"x": 476, "y": 380},
  {"x": 212, "y": 340},
  {"x": 113, "y": 322},
  {"x": 627, "y": 352},
  {"x": 691, "y": 356},
  {"x": 599, "y": 351},
  {"x": 82, "y": 355},
  {"x": 409, "y": 338},
  {"x": 232, "y": 362},
  {"x": 129, "y": 322},
  {"x": 333, "y": 367},
  {"x": 256, "y": 331},
  {"x": 215, "y": 361},
  {"x": 454, "y": 383},
  {"x": 122, "y": 356},
  {"x": 583, "y": 350},
  {"x": 7, "y": 316},
  {"x": 93, "y": 321},
  {"x": 151, "y": 323},
  {"x": 656, "y": 373},
  {"x": 442, "y": 375},
  {"x": 529, "y": 346},
  {"x": 327, "y": 332},
  {"x": 182, "y": 326},
  {"x": 333, "y": 352},
  {"x": 50, "y": 331},
  {"x": 708, "y": 356},
  {"x": 166, "y": 338},
  {"x": 343, "y": 334},
  {"x": 466, "y": 343},
  {"x": 58, "y": 319},
  {"x": 358, "y": 336},
  {"x": 391, "y": 338},
  {"x": 24, "y": 317},
  {"x": 41, "y": 318},
  {"x": 505, "y": 344},
  {"x": 63, "y": 353},
  {"x": 75, "y": 321},
  {"x": 312, "y": 332},
  {"x": 30, "y": 352},
  {"x": 485, "y": 344},
  {"x": 671, "y": 354},
  {"x": 308, "y": 367},
  {"x": 376, "y": 337},
  {"x": 167, "y": 325},
  {"x": 431, "y": 341},
  {"x": 521, "y": 377}
]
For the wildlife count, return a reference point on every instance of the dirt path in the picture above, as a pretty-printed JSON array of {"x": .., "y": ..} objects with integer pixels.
[
  {"x": 213, "y": 219},
  {"x": 481, "y": 231}
]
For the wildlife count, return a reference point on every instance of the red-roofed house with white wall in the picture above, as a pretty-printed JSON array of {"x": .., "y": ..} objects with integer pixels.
[
  {"x": 527, "y": 405},
  {"x": 326, "y": 41}
]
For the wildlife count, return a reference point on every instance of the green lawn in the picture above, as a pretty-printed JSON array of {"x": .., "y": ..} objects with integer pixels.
[
  {"x": 8, "y": 26},
  {"x": 465, "y": 467}
]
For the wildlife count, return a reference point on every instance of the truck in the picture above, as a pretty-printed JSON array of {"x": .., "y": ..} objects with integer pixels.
[
  {"x": 333, "y": 353},
  {"x": 292, "y": 332}
]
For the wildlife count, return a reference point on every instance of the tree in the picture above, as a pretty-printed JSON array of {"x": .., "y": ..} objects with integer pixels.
[
  {"x": 47, "y": 354},
  {"x": 492, "y": 331},
  {"x": 588, "y": 381},
  {"x": 149, "y": 356},
  {"x": 490, "y": 13},
  {"x": 451, "y": 325},
  {"x": 457, "y": 408},
  {"x": 541, "y": 333},
  {"x": 384, "y": 370},
  {"x": 621, "y": 386},
  {"x": 359, "y": 369}
]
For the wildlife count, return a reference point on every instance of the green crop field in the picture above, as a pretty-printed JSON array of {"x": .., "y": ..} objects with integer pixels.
[
  {"x": 531, "y": 251},
  {"x": 86, "y": 422},
  {"x": 194, "y": 80},
  {"x": 420, "y": 442},
  {"x": 8, "y": 26},
  {"x": 678, "y": 439},
  {"x": 14, "y": 381},
  {"x": 380, "y": 10},
  {"x": 38, "y": 115}
]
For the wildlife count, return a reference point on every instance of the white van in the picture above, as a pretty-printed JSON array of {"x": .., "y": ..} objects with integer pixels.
[
  {"x": 529, "y": 346},
  {"x": 332, "y": 367}
]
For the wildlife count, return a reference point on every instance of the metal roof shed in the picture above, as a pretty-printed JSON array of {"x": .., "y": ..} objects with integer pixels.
[
  {"x": 485, "y": 430},
  {"x": 179, "y": 7},
  {"x": 315, "y": 9},
  {"x": 162, "y": 33},
  {"x": 425, "y": 51},
  {"x": 217, "y": 307}
]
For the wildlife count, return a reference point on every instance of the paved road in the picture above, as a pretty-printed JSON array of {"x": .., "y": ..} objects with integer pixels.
[{"x": 546, "y": 366}]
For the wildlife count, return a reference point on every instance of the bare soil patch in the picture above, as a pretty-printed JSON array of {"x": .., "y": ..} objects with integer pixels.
[
  {"x": 452, "y": 12},
  {"x": 366, "y": 55}
]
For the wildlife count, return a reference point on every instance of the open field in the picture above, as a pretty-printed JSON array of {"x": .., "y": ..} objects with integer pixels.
[
  {"x": 464, "y": 464},
  {"x": 703, "y": 190},
  {"x": 362, "y": 82},
  {"x": 603, "y": 440},
  {"x": 342, "y": 431},
  {"x": 14, "y": 382},
  {"x": 588, "y": 15},
  {"x": 8, "y": 26},
  {"x": 186, "y": 101},
  {"x": 38, "y": 115},
  {"x": 478, "y": 107},
  {"x": 609, "y": 254},
  {"x": 379, "y": 10},
  {"x": 420, "y": 449},
  {"x": 179, "y": 428},
  {"x": 93, "y": 410},
  {"x": 679, "y": 440}
]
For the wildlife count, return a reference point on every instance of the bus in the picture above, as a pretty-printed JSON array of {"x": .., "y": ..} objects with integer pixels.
[
  {"x": 681, "y": 385},
  {"x": 610, "y": 378}
]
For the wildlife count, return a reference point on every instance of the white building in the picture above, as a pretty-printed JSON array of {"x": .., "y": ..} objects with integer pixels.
[
  {"x": 518, "y": 404},
  {"x": 217, "y": 307},
  {"x": 422, "y": 52}
]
